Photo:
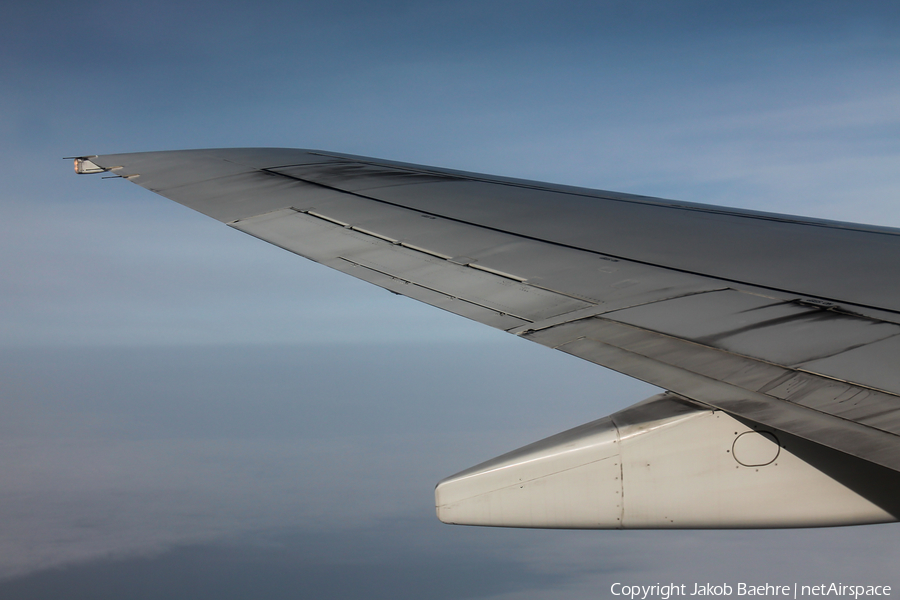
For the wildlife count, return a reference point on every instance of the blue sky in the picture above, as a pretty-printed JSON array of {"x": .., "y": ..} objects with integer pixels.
[{"x": 177, "y": 393}]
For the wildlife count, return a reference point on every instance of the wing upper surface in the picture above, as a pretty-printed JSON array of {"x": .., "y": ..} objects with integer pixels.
[{"x": 782, "y": 320}]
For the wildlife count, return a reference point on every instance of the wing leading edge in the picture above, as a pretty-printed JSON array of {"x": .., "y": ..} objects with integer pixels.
[{"x": 775, "y": 323}]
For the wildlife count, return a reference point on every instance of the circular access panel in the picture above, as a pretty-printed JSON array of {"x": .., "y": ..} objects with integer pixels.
[{"x": 755, "y": 448}]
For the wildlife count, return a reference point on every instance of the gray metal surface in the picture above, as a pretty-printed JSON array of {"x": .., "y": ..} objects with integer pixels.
[
  {"x": 806, "y": 405},
  {"x": 874, "y": 365},
  {"x": 773, "y": 318},
  {"x": 785, "y": 333}
]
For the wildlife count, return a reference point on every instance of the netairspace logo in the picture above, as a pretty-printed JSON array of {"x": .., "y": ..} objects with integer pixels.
[{"x": 665, "y": 591}]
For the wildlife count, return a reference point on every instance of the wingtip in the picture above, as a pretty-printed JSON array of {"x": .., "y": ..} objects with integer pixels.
[{"x": 85, "y": 166}]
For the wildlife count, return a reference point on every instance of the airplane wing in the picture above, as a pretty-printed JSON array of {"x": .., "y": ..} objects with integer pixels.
[{"x": 777, "y": 337}]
